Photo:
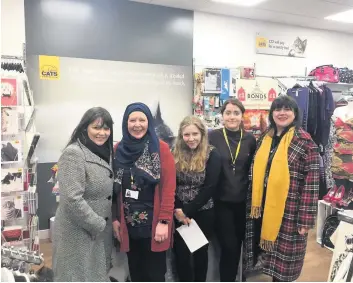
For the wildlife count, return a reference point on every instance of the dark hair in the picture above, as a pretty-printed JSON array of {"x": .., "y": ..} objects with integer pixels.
[
  {"x": 284, "y": 101},
  {"x": 90, "y": 116},
  {"x": 233, "y": 101}
]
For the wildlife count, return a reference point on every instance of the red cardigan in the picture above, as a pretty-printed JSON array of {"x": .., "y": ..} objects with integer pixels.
[{"x": 163, "y": 203}]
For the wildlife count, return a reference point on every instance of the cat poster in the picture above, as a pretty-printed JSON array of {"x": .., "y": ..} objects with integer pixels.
[
  {"x": 290, "y": 46},
  {"x": 11, "y": 180},
  {"x": 212, "y": 80},
  {"x": 8, "y": 92},
  {"x": 12, "y": 207},
  {"x": 9, "y": 121}
]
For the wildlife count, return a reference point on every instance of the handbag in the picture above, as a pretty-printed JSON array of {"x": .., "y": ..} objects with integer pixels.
[
  {"x": 326, "y": 73},
  {"x": 346, "y": 75}
]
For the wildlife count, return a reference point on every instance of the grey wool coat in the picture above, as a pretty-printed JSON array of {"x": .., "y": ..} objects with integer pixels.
[{"x": 82, "y": 240}]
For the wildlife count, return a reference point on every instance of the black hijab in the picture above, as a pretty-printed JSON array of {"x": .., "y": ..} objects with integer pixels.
[{"x": 130, "y": 149}]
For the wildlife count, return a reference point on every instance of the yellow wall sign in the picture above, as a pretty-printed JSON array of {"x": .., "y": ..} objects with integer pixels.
[
  {"x": 49, "y": 67},
  {"x": 261, "y": 42}
]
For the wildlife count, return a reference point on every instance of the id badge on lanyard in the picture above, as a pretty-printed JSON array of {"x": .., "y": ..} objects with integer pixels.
[{"x": 230, "y": 151}]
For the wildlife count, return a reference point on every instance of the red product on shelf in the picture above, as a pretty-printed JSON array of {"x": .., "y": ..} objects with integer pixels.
[{"x": 326, "y": 73}]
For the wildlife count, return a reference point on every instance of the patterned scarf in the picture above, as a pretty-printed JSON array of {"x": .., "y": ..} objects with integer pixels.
[
  {"x": 141, "y": 156},
  {"x": 277, "y": 188}
]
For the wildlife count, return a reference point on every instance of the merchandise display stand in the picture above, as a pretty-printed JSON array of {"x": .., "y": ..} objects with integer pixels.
[
  {"x": 19, "y": 200},
  {"x": 324, "y": 210},
  {"x": 341, "y": 269}
]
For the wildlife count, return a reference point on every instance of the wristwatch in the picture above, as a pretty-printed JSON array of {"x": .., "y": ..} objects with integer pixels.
[{"x": 164, "y": 222}]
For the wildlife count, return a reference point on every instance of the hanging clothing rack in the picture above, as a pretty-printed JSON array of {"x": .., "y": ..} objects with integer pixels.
[
  {"x": 12, "y": 57},
  {"x": 289, "y": 77}
]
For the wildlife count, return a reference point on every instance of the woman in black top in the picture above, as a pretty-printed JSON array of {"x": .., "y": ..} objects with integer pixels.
[
  {"x": 198, "y": 167},
  {"x": 236, "y": 148}
]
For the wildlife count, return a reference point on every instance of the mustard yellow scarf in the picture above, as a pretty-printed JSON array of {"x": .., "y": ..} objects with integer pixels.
[{"x": 277, "y": 188}]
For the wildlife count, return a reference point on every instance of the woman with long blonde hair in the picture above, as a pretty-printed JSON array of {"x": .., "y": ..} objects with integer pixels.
[{"x": 198, "y": 168}]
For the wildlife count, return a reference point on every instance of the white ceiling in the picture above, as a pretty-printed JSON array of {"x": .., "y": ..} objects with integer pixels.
[{"x": 306, "y": 13}]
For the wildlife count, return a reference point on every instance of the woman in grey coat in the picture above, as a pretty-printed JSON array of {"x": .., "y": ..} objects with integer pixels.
[{"x": 82, "y": 240}]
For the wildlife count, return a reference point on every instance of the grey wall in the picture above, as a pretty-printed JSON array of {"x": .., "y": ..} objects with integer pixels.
[
  {"x": 118, "y": 30},
  {"x": 112, "y": 52}
]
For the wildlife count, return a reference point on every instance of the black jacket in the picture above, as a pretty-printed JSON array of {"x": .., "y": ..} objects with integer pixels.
[{"x": 233, "y": 187}]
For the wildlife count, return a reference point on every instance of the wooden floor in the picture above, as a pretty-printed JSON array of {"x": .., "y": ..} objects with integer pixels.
[{"x": 316, "y": 266}]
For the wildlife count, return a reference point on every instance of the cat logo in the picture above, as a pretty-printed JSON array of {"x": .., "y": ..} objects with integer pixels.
[
  {"x": 261, "y": 42},
  {"x": 48, "y": 71},
  {"x": 49, "y": 67}
]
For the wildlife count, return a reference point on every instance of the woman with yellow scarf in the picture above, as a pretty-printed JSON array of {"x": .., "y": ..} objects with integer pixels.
[{"x": 283, "y": 195}]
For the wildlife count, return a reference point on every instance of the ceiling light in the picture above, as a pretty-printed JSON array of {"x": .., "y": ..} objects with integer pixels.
[
  {"x": 344, "y": 17},
  {"x": 246, "y": 3}
]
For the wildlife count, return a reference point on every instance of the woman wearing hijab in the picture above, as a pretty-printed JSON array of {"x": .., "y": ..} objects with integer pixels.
[
  {"x": 283, "y": 194},
  {"x": 145, "y": 172},
  {"x": 82, "y": 238}
]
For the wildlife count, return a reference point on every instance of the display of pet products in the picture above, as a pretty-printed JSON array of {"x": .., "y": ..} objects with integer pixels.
[
  {"x": 12, "y": 207},
  {"x": 212, "y": 87},
  {"x": 11, "y": 151},
  {"x": 9, "y": 121},
  {"x": 12, "y": 236},
  {"x": 8, "y": 92},
  {"x": 11, "y": 179},
  {"x": 256, "y": 121},
  {"x": 19, "y": 200}
]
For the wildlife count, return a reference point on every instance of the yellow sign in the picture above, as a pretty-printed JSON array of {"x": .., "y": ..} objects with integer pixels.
[
  {"x": 261, "y": 42},
  {"x": 49, "y": 67}
]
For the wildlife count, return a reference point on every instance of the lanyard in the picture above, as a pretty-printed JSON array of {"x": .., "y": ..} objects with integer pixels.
[{"x": 238, "y": 147}]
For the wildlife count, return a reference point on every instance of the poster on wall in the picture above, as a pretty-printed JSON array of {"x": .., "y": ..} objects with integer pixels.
[
  {"x": 8, "y": 92},
  {"x": 225, "y": 84},
  {"x": 256, "y": 121},
  {"x": 212, "y": 80},
  {"x": 86, "y": 83},
  {"x": 234, "y": 76},
  {"x": 257, "y": 94},
  {"x": 49, "y": 67},
  {"x": 290, "y": 46}
]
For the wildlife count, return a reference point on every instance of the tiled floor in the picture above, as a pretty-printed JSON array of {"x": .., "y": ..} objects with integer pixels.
[{"x": 316, "y": 266}]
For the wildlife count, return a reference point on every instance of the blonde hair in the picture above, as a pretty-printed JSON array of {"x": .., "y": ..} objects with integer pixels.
[{"x": 186, "y": 161}]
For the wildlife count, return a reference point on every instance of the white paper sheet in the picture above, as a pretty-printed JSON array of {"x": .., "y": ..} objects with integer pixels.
[{"x": 192, "y": 236}]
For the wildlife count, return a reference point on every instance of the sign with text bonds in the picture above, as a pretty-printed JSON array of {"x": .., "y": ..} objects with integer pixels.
[
  {"x": 49, "y": 67},
  {"x": 290, "y": 46},
  {"x": 258, "y": 93}
]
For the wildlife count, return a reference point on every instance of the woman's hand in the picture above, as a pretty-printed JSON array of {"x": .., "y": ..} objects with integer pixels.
[
  {"x": 116, "y": 229},
  {"x": 302, "y": 231},
  {"x": 180, "y": 216},
  {"x": 161, "y": 232}
]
